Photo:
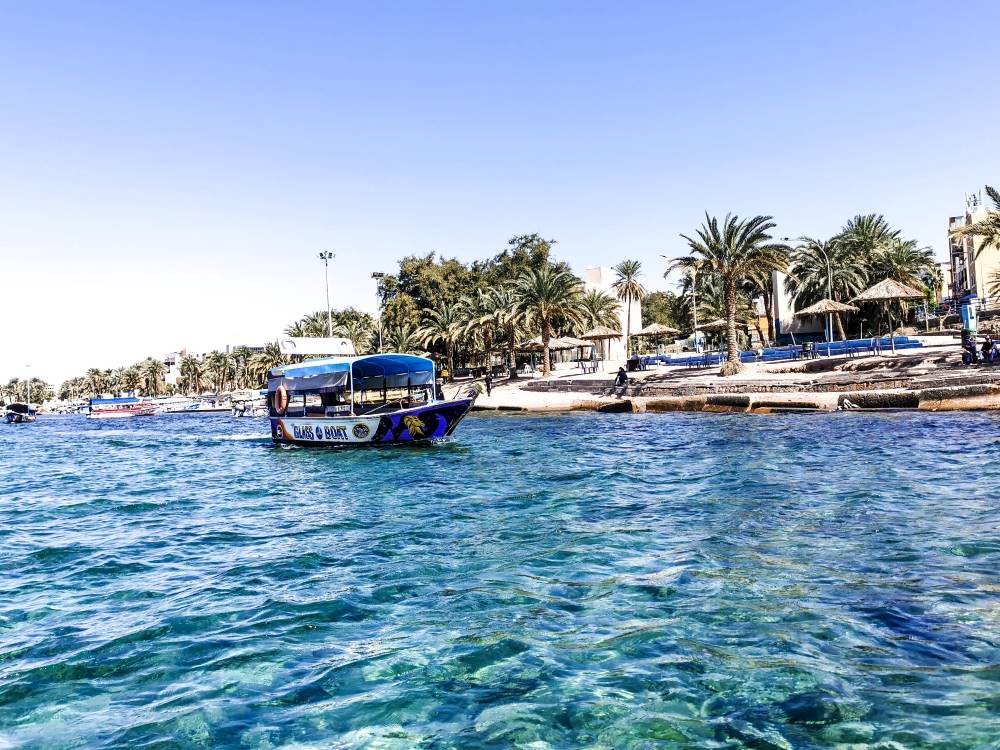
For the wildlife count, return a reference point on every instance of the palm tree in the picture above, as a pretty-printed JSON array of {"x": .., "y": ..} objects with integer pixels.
[
  {"x": 863, "y": 235},
  {"x": 95, "y": 382},
  {"x": 988, "y": 229},
  {"x": 443, "y": 325},
  {"x": 902, "y": 261},
  {"x": 403, "y": 339},
  {"x": 297, "y": 329},
  {"x": 192, "y": 375},
  {"x": 241, "y": 358},
  {"x": 153, "y": 372},
  {"x": 131, "y": 379},
  {"x": 358, "y": 331},
  {"x": 218, "y": 367},
  {"x": 628, "y": 288},
  {"x": 478, "y": 325},
  {"x": 548, "y": 294},
  {"x": 599, "y": 309},
  {"x": 734, "y": 252},
  {"x": 809, "y": 275},
  {"x": 262, "y": 363}
]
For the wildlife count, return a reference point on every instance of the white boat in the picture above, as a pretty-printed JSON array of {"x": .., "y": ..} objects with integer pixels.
[
  {"x": 119, "y": 408},
  {"x": 193, "y": 406}
]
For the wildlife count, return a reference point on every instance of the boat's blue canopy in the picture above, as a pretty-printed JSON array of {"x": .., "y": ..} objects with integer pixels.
[
  {"x": 370, "y": 372},
  {"x": 103, "y": 401}
]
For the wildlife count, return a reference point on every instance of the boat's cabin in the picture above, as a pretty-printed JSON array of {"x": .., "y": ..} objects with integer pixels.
[
  {"x": 127, "y": 403},
  {"x": 350, "y": 386}
]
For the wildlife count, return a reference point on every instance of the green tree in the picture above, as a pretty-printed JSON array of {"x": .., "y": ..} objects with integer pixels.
[
  {"x": 131, "y": 379},
  {"x": 629, "y": 289},
  {"x": 192, "y": 372},
  {"x": 598, "y": 309},
  {"x": 262, "y": 363},
  {"x": 95, "y": 383},
  {"x": 666, "y": 308},
  {"x": 443, "y": 325},
  {"x": 734, "y": 251},
  {"x": 403, "y": 339},
  {"x": 808, "y": 274},
  {"x": 219, "y": 369},
  {"x": 153, "y": 373},
  {"x": 545, "y": 296}
]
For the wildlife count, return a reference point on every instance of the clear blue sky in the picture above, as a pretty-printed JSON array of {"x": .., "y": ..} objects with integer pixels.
[{"x": 169, "y": 170}]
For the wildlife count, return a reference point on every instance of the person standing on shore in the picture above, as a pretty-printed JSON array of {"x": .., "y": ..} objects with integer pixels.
[{"x": 489, "y": 383}]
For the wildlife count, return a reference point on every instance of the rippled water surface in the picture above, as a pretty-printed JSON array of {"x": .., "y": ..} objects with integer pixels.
[{"x": 584, "y": 581}]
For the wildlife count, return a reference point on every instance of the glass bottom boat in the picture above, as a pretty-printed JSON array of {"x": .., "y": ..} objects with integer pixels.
[{"x": 376, "y": 399}]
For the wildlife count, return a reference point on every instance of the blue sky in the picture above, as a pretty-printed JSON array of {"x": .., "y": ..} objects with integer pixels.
[{"x": 168, "y": 171}]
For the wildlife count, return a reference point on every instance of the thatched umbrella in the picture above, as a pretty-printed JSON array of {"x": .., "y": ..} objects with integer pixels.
[
  {"x": 536, "y": 345},
  {"x": 826, "y": 307},
  {"x": 886, "y": 291},
  {"x": 655, "y": 331},
  {"x": 601, "y": 333},
  {"x": 718, "y": 326}
]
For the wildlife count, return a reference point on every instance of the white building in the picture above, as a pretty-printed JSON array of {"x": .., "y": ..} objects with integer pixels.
[
  {"x": 600, "y": 278},
  {"x": 783, "y": 310}
]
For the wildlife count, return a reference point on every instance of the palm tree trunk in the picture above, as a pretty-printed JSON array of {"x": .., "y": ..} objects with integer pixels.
[
  {"x": 838, "y": 325},
  {"x": 733, "y": 364},
  {"x": 628, "y": 327},
  {"x": 546, "y": 334},
  {"x": 451, "y": 361}
]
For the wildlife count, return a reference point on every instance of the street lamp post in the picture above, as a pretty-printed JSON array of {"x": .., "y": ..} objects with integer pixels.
[
  {"x": 377, "y": 275},
  {"x": 326, "y": 256}
]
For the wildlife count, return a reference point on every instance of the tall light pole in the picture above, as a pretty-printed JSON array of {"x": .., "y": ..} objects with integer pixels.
[
  {"x": 326, "y": 256},
  {"x": 378, "y": 275}
]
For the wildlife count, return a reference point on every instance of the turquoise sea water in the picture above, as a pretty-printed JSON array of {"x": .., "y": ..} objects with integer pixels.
[{"x": 583, "y": 581}]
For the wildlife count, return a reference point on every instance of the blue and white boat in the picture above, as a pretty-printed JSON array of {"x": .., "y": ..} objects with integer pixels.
[{"x": 374, "y": 399}]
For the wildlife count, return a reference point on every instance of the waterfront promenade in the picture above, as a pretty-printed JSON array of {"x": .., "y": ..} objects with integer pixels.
[{"x": 930, "y": 378}]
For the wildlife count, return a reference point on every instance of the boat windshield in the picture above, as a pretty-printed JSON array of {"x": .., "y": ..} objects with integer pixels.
[{"x": 341, "y": 386}]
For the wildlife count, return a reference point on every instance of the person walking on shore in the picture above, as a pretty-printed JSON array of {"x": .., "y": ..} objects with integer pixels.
[{"x": 489, "y": 383}]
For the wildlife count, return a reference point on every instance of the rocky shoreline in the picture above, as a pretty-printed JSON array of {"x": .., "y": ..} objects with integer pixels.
[{"x": 916, "y": 385}]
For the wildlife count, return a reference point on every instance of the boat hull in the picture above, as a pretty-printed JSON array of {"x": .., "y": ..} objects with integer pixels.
[
  {"x": 14, "y": 418},
  {"x": 419, "y": 424},
  {"x": 121, "y": 414}
]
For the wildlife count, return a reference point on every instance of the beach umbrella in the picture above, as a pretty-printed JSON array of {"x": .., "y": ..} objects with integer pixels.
[
  {"x": 601, "y": 333},
  {"x": 826, "y": 307},
  {"x": 886, "y": 291},
  {"x": 655, "y": 331},
  {"x": 575, "y": 343},
  {"x": 719, "y": 326}
]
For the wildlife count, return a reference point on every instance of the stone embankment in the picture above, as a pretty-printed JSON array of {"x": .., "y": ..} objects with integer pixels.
[{"x": 941, "y": 389}]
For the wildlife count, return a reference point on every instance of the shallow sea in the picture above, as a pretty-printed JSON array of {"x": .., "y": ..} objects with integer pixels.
[{"x": 573, "y": 581}]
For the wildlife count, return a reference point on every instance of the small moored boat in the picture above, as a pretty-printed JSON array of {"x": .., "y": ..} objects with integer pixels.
[
  {"x": 369, "y": 400},
  {"x": 119, "y": 408},
  {"x": 18, "y": 414}
]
